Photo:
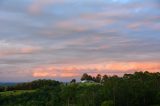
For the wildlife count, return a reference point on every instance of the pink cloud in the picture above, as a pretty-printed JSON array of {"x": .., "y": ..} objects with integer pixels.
[
  {"x": 28, "y": 50},
  {"x": 13, "y": 48},
  {"x": 15, "y": 51},
  {"x": 102, "y": 68},
  {"x": 38, "y": 5},
  {"x": 43, "y": 74},
  {"x": 134, "y": 25},
  {"x": 69, "y": 75},
  {"x": 79, "y": 24}
]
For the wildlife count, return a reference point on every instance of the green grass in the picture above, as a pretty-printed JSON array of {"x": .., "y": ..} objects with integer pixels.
[{"x": 16, "y": 92}]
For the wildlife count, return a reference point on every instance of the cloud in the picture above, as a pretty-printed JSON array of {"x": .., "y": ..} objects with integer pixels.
[
  {"x": 134, "y": 25},
  {"x": 28, "y": 50},
  {"x": 73, "y": 37},
  {"x": 73, "y": 27},
  {"x": 43, "y": 74},
  {"x": 38, "y": 5},
  {"x": 10, "y": 48},
  {"x": 103, "y": 68},
  {"x": 54, "y": 72}
]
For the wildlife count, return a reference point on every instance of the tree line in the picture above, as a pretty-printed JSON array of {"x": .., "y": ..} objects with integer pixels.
[
  {"x": 138, "y": 89},
  {"x": 37, "y": 84}
]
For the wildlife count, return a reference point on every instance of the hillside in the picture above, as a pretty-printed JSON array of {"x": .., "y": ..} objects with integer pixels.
[{"x": 138, "y": 89}]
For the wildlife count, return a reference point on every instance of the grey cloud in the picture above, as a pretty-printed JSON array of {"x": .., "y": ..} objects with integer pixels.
[{"x": 94, "y": 32}]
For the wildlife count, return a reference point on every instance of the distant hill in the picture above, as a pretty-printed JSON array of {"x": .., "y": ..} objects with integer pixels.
[{"x": 8, "y": 83}]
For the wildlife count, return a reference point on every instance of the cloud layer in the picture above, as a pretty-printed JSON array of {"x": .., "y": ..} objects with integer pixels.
[{"x": 62, "y": 39}]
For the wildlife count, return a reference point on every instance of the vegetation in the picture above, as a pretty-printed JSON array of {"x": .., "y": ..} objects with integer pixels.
[
  {"x": 138, "y": 89},
  {"x": 16, "y": 92}
]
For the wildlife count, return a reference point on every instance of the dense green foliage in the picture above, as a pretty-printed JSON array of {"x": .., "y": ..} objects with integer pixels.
[
  {"x": 138, "y": 89},
  {"x": 15, "y": 92},
  {"x": 30, "y": 85}
]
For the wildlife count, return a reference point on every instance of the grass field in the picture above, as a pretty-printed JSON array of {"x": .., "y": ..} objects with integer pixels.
[{"x": 16, "y": 92}]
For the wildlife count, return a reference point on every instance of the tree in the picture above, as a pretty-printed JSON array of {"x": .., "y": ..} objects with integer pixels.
[
  {"x": 73, "y": 81},
  {"x": 104, "y": 78},
  {"x": 85, "y": 76},
  {"x": 98, "y": 78},
  {"x": 138, "y": 89},
  {"x": 107, "y": 103}
]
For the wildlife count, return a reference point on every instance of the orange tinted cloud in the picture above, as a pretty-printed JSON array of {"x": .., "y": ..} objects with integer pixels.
[
  {"x": 69, "y": 74},
  {"x": 43, "y": 74},
  {"x": 28, "y": 50},
  {"x": 103, "y": 68},
  {"x": 142, "y": 66}
]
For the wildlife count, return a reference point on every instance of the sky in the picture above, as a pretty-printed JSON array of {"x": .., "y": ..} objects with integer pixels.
[{"x": 62, "y": 39}]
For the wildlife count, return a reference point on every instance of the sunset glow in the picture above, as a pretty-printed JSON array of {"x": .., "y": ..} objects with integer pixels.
[{"x": 62, "y": 39}]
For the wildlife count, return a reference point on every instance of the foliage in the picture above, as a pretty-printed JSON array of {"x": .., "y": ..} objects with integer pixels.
[
  {"x": 138, "y": 89},
  {"x": 16, "y": 92},
  {"x": 108, "y": 103}
]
